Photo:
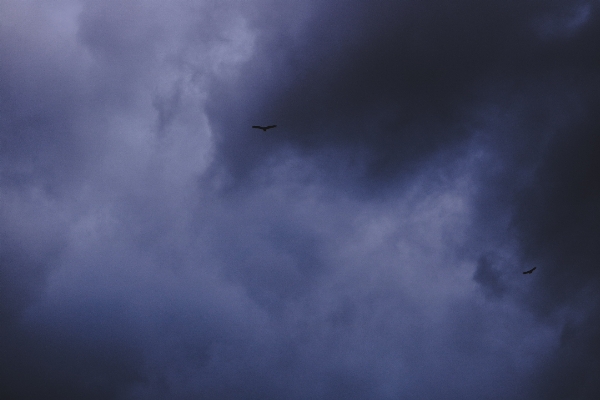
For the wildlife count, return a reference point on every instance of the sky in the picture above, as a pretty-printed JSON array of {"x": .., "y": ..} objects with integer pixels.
[{"x": 371, "y": 246}]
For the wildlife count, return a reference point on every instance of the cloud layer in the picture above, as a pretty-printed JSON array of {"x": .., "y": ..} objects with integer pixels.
[{"x": 153, "y": 245}]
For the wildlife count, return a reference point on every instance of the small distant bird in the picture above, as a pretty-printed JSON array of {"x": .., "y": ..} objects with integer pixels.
[
  {"x": 530, "y": 271},
  {"x": 264, "y": 128}
]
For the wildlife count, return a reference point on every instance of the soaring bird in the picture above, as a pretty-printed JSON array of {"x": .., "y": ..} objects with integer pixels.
[
  {"x": 530, "y": 271},
  {"x": 264, "y": 128}
]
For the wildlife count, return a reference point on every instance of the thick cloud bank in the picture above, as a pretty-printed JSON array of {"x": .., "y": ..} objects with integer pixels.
[{"x": 154, "y": 246}]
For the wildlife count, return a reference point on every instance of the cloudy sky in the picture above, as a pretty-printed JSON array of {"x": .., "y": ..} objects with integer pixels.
[{"x": 154, "y": 246}]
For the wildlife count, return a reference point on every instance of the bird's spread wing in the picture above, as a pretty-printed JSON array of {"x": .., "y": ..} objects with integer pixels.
[{"x": 264, "y": 128}]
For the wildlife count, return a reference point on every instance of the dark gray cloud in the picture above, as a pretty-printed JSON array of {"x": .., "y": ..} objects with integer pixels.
[
  {"x": 153, "y": 245},
  {"x": 405, "y": 80}
]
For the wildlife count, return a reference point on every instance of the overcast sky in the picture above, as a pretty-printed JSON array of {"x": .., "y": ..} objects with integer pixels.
[{"x": 154, "y": 246}]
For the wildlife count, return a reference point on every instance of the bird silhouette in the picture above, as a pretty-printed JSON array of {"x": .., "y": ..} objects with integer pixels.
[
  {"x": 264, "y": 128},
  {"x": 530, "y": 271}
]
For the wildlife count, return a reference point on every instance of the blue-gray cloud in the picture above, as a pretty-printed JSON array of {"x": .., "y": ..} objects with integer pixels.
[{"x": 153, "y": 245}]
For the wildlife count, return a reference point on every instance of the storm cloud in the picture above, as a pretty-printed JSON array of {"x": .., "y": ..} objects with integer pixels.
[{"x": 153, "y": 245}]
